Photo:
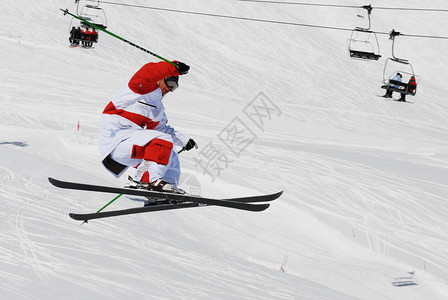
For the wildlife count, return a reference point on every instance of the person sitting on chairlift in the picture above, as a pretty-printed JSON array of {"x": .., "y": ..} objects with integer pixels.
[
  {"x": 412, "y": 85},
  {"x": 87, "y": 37},
  {"x": 72, "y": 36},
  {"x": 82, "y": 37},
  {"x": 389, "y": 91},
  {"x": 78, "y": 35},
  {"x": 93, "y": 37}
]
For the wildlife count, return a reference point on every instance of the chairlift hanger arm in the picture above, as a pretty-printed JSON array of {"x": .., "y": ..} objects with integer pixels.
[
  {"x": 369, "y": 11},
  {"x": 392, "y": 36},
  {"x": 368, "y": 8}
]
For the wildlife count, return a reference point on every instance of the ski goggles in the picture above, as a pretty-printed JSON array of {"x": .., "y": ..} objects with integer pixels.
[{"x": 173, "y": 85}]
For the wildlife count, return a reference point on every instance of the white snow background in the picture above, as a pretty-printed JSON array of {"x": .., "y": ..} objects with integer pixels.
[{"x": 364, "y": 214}]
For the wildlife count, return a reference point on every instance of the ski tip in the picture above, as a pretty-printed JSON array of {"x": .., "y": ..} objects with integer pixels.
[
  {"x": 263, "y": 207},
  {"x": 277, "y": 195},
  {"x": 52, "y": 181},
  {"x": 76, "y": 217},
  {"x": 55, "y": 182}
]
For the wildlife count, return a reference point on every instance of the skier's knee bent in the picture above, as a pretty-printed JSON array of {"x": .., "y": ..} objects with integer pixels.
[{"x": 157, "y": 150}]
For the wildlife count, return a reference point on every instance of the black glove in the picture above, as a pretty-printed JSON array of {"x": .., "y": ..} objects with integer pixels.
[
  {"x": 191, "y": 143},
  {"x": 182, "y": 68}
]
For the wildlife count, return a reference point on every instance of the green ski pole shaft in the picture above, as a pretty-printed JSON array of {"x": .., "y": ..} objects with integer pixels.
[
  {"x": 116, "y": 36},
  {"x": 110, "y": 202}
]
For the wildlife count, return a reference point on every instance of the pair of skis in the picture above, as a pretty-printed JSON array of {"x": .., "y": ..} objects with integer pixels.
[{"x": 171, "y": 201}]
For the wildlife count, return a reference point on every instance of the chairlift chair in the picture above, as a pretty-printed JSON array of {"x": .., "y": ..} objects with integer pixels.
[
  {"x": 363, "y": 43},
  {"x": 91, "y": 11},
  {"x": 395, "y": 65}
]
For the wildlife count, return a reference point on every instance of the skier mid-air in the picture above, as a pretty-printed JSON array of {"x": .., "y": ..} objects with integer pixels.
[
  {"x": 134, "y": 133},
  {"x": 134, "y": 130}
]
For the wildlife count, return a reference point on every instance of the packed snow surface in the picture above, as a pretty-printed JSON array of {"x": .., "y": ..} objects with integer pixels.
[{"x": 364, "y": 214}]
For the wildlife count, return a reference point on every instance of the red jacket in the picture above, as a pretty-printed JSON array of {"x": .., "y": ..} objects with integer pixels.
[
  {"x": 412, "y": 84},
  {"x": 87, "y": 34}
]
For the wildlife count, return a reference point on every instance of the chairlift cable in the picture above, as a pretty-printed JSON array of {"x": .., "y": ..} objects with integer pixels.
[
  {"x": 228, "y": 17},
  {"x": 425, "y": 36},
  {"x": 263, "y": 20},
  {"x": 412, "y": 9},
  {"x": 347, "y": 6},
  {"x": 302, "y": 3}
]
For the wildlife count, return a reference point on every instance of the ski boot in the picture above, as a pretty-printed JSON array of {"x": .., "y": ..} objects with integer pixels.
[{"x": 159, "y": 185}]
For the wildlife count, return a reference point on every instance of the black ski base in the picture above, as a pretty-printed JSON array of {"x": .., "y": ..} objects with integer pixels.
[{"x": 134, "y": 210}]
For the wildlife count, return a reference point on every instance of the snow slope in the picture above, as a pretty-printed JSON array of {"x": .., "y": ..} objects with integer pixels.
[{"x": 364, "y": 214}]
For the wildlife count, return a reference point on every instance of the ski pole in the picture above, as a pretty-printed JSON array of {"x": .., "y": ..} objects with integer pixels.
[
  {"x": 110, "y": 202},
  {"x": 114, "y": 35}
]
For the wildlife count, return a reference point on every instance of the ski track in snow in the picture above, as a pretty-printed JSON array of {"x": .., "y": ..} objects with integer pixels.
[{"x": 367, "y": 208}]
